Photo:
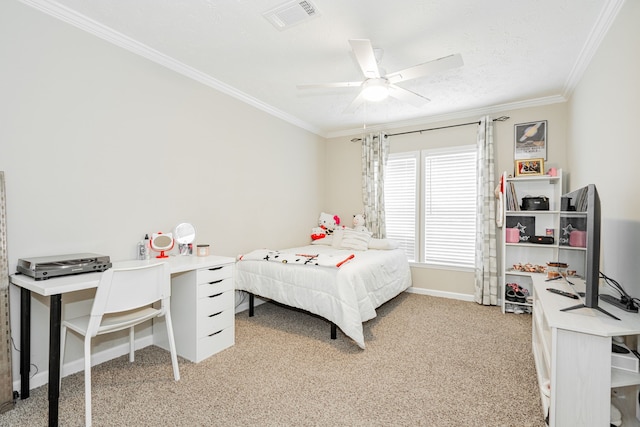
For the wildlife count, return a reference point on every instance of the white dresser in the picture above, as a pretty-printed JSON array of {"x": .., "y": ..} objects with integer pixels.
[{"x": 202, "y": 308}]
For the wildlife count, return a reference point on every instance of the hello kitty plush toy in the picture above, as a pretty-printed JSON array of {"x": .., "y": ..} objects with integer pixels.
[
  {"x": 318, "y": 233},
  {"x": 359, "y": 223},
  {"x": 328, "y": 222}
]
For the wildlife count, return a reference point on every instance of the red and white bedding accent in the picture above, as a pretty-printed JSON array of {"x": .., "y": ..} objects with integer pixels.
[
  {"x": 310, "y": 259},
  {"x": 346, "y": 296}
]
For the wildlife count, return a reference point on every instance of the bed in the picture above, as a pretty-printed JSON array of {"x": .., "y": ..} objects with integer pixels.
[{"x": 341, "y": 283}]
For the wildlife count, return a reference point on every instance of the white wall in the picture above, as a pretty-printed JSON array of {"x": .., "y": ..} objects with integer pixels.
[
  {"x": 603, "y": 147},
  {"x": 100, "y": 146}
]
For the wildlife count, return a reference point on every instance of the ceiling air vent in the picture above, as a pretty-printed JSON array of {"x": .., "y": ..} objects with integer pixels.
[{"x": 291, "y": 13}]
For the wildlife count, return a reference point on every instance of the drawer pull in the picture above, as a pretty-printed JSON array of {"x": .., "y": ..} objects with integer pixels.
[
  {"x": 215, "y": 314},
  {"x": 215, "y": 268},
  {"x": 216, "y": 295},
  {"x": 217, "y": 281},
  {"x": 215, "y": 333}
]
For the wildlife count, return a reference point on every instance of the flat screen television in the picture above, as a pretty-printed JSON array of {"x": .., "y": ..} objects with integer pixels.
[{"x": 586, "y": 200}]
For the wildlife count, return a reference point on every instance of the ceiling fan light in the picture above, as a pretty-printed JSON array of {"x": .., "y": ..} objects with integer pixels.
[{"x": 375, "y": 90}]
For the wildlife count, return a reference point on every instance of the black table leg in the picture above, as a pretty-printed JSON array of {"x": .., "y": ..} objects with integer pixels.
[
  {"x": 25, "y": 341},
  {"x": 251, "y": 305},
  {"x": 55, "y": 317}
]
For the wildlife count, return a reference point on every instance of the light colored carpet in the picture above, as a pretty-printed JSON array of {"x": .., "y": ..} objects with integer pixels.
[{"x": 429, "y": 362}]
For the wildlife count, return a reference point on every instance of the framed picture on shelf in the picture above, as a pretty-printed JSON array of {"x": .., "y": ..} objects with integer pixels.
[
  {"x": 531, "y": 140},
  {"x": 530, "y": 167}
]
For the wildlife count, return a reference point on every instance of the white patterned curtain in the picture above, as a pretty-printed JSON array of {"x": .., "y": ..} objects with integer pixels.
[
  {"x": 375, "y": 152},
  {"x": 486, "y": 270}
]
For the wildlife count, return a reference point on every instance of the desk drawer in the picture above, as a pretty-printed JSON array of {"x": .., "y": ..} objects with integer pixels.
[
  {"x": 215, "y": 322},
  {"x": 214, "y": 343},
  {"x": 214, "y": 287},
  {"x": 215, "y": 303},
  {"x": 212, "y": 274}
]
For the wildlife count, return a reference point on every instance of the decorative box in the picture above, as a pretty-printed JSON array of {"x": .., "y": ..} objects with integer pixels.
[{"x": 539, "y": 203}]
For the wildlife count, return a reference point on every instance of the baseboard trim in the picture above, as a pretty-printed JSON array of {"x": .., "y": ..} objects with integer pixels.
[
  {"x": 42, "y": 377},
  {"x": 441, "y": 294}
]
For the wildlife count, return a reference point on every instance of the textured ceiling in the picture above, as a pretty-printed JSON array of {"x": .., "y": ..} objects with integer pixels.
[{"x": 515, "y": 52}]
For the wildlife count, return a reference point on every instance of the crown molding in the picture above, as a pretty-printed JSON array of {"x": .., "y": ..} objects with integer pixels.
[
  {"x": 607, "y": 16},
  {"x": 464, "y": 114},
  {"x": 108, "y": 34},
  {"x": 58, "y": 11}
]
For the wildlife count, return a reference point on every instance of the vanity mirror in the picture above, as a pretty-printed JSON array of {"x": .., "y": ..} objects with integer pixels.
[
  {"x": 185, "y": 234},
  {"x": 161, "y": 242}
]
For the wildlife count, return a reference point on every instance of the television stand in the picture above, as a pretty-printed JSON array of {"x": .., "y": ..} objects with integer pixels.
[
  {"x": 572, "y": 354},
  {"x": 595, "y": 308}
]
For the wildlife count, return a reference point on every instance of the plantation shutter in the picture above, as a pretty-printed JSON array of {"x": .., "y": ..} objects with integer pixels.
[
  {"x": 450, "y": 206},
  {"x": 401, "y": 204}
]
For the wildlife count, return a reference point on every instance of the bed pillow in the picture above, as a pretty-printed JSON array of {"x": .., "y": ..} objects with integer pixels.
[
  {"x": 356, "y": 240},
  {"x": 337, "y": 238},
  {"x": 327, "y": 240},
  {"x": 384, "y": 244}
]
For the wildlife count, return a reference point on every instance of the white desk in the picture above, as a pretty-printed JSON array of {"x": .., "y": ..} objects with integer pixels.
[{"x": 54, "y": 288}]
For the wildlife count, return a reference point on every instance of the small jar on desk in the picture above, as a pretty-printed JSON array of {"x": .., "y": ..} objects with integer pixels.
[{"x": 202, "y": 250}]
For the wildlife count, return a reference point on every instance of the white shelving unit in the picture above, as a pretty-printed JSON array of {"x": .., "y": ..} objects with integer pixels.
[{"x": 523, "y": 252}]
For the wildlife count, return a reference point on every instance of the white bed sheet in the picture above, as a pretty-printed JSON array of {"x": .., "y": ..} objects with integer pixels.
[{"x": 347, "y": 296}]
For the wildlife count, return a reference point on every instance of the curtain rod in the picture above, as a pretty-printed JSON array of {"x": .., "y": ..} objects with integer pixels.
[{"x": 497, "y": 119}]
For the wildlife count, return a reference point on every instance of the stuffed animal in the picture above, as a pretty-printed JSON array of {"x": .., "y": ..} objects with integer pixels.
[
  {"x": 318, "y": 233},
  {"x": 328, "y": 222},
  {"x": 359, "y": 223}
]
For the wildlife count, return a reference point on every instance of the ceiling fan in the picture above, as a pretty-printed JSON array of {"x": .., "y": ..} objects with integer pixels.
[{"x": 376, "y": 87}]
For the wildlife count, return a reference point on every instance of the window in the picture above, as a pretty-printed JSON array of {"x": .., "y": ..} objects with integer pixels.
[
  {"x": 430, "y": 199},
  {"x": 400, "y": 201}
]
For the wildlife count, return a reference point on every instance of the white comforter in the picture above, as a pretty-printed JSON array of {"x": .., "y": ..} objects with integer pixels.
[{"x": 347, "y": 296}]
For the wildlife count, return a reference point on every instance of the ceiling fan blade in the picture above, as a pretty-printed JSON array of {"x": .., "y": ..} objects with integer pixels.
[
  {"x": 329, "y": 85},
  {"x": 366, "y": 58},
  {"x": 431, "y": 67},
  {"x": 407, "y": 96},
  {"x": 355, "y": 104}
]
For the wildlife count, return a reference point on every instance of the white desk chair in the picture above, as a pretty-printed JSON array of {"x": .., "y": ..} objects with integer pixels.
[{"x": 123, "y": 299}]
